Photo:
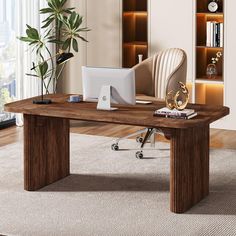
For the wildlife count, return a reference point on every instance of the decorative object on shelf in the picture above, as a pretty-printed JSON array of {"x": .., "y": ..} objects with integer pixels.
[
  {"x": 178, "y": 100},
  {"x": 216, "y": 59},
  {"x": 140, "y": 58},
  {"x": 62, "y": 27},
  {"x": 211, "y": 70},
  {"x": 41, "y": 70},
  {"x": 213, "y": 6}
]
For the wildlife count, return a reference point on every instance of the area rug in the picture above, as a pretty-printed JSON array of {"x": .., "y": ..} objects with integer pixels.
[{"x": 113, "y": 193}]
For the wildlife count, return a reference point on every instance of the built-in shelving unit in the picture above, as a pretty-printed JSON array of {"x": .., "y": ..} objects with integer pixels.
[
  {"x": 208, "y": 90},
  {"x": 135, "y": 31}
]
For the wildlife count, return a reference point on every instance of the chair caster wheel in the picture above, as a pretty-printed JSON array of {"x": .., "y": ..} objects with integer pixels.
[
  {"x": 139, "y": 139},
  {"x": 139, "y": 155},
  {"x": 114, "y": 147}
]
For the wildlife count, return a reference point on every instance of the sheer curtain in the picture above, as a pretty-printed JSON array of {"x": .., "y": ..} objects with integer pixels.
[{"x": 27, "y": 12}]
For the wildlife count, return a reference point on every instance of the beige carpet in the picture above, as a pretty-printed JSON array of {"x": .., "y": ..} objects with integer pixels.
[{"x": 113, "y": 193}]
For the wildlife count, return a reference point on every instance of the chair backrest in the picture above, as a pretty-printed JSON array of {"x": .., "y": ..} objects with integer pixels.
[
  {"x": 169, "y": 67},
  {"x": 161, "y": 73}
]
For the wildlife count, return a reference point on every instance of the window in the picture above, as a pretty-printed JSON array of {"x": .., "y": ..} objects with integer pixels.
[{"x": 7, "y": 57}]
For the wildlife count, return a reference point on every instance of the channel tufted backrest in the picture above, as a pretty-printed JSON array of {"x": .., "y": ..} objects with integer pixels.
[
  {"x": 165, "y": 64},
  {"x": 161, "y": 73}
]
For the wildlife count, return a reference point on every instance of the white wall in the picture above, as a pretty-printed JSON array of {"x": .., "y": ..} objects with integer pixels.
[
  {"x": 103, "y": 17},
  {"x": 230, "y": 66},
  {"x": 171, "y": 25}
]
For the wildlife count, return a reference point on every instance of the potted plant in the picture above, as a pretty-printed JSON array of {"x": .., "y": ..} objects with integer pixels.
[{"x": 62, "y": 27}]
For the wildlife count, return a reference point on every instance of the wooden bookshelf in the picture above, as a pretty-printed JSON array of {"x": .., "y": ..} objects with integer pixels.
[
  {"x": 208, "y": 90},
  {"x": 135, "y": 31}
]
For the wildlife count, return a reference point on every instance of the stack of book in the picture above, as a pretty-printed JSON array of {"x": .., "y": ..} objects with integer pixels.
[
  {"x": 184, "y": 114},
  {"x": 214, "y": 34}
]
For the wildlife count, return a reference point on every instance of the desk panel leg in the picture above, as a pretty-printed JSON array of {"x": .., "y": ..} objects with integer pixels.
[
  {"x": 46, "y": 151},
  {"x": 189, "y": 168}
]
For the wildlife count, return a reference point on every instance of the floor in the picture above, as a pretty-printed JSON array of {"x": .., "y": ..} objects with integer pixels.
[
  {"x": 116, "y": 204},
  {"x": 113, "y": 193},
  {"x": 219, "y": 138}
]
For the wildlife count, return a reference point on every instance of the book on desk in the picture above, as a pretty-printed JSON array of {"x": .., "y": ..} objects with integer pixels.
[{"x": 175, "y": 114}]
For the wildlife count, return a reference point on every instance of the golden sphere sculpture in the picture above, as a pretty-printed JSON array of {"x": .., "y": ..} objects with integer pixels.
[{"x": 178, "y": 100}]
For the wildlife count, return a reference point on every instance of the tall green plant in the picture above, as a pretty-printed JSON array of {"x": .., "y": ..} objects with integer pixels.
[{"x": 62, "y": 27}]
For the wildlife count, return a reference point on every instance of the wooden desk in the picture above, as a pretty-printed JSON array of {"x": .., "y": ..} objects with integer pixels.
[{"x": 46, "y": 142}]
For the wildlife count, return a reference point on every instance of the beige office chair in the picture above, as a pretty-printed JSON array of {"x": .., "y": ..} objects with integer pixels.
[{"x": 154, "y": 77}]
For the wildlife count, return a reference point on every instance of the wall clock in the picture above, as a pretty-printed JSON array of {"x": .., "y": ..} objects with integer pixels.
[{"x": 213, "y": 6}]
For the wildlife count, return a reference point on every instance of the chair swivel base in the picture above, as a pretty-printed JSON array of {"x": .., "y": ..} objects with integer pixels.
[
  {"x": 115, "y": 147},
  {"x": 142, "y": 140}
]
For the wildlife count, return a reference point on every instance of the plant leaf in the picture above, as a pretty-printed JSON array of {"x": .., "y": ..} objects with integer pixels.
[
  {"x": 78, "y": 22},
  {"x": 63, "y": 2},
  {"x": 46, "y": 10},
  {"x": 61, "y": 17},
  {"x": 33, "y": 42},
  {"x": 48, "y": 18},
  {"x": 72, "y": 18},
  {"x": 82, "y": 38},
  {"x": 83, "y": 30},
  {"x": 54, "y": 5},
  {"x": 25, "y": 39},
  {"x": 32, "y": 33},
  {"x": 32, "y": 75},
  {"x": 56, "y": 41},
  {"x": 48, "y": 23},
  {"x": 28, "y": 26},
  {"x": 75, "y": 45},
  {"x": 70, "y": 8},
  {"x": 43, "y": 68},
  {"x": 66, "y": 44},
  {"x": 47, "y": 34},
  {"x": 50, "y": 5}
]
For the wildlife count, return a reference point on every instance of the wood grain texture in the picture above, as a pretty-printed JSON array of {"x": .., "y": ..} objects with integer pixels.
[
  {"x": 189, "y": 169},
  {"x": 218, "y": 138},
  {"x": 138, "y": 115},
  {"x": 46, "y": 150}
]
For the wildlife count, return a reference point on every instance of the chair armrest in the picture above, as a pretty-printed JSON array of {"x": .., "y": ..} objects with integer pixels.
[{"x": 143, "y": 77}]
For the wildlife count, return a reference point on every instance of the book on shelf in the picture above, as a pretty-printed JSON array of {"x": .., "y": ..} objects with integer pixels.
[
  {"x": 184, "y": 114},
  {"x": 221, "y": 34},
  {"x": 208, "y": 35},
  {"x": 214, "y": 34}
]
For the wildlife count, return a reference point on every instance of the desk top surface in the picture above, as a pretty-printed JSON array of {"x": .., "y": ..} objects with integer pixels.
[{"x": 138, "y": 115}]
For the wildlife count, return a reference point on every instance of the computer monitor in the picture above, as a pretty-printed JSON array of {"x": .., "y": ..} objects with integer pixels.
[{"x": 121, "y": 82}]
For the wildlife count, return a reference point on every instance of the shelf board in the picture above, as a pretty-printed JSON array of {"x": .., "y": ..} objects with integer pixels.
[
  {"x": 217, "y": 14},
  {"x": 205, "y": 47},
  {"x": 135, "y": 43},
  {"x": 135, "y": 13},
  {"x": 209, "y": 81}
]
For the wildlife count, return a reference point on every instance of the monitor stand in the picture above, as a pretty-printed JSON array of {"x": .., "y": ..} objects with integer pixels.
[{"x": 104, "y": 100}]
